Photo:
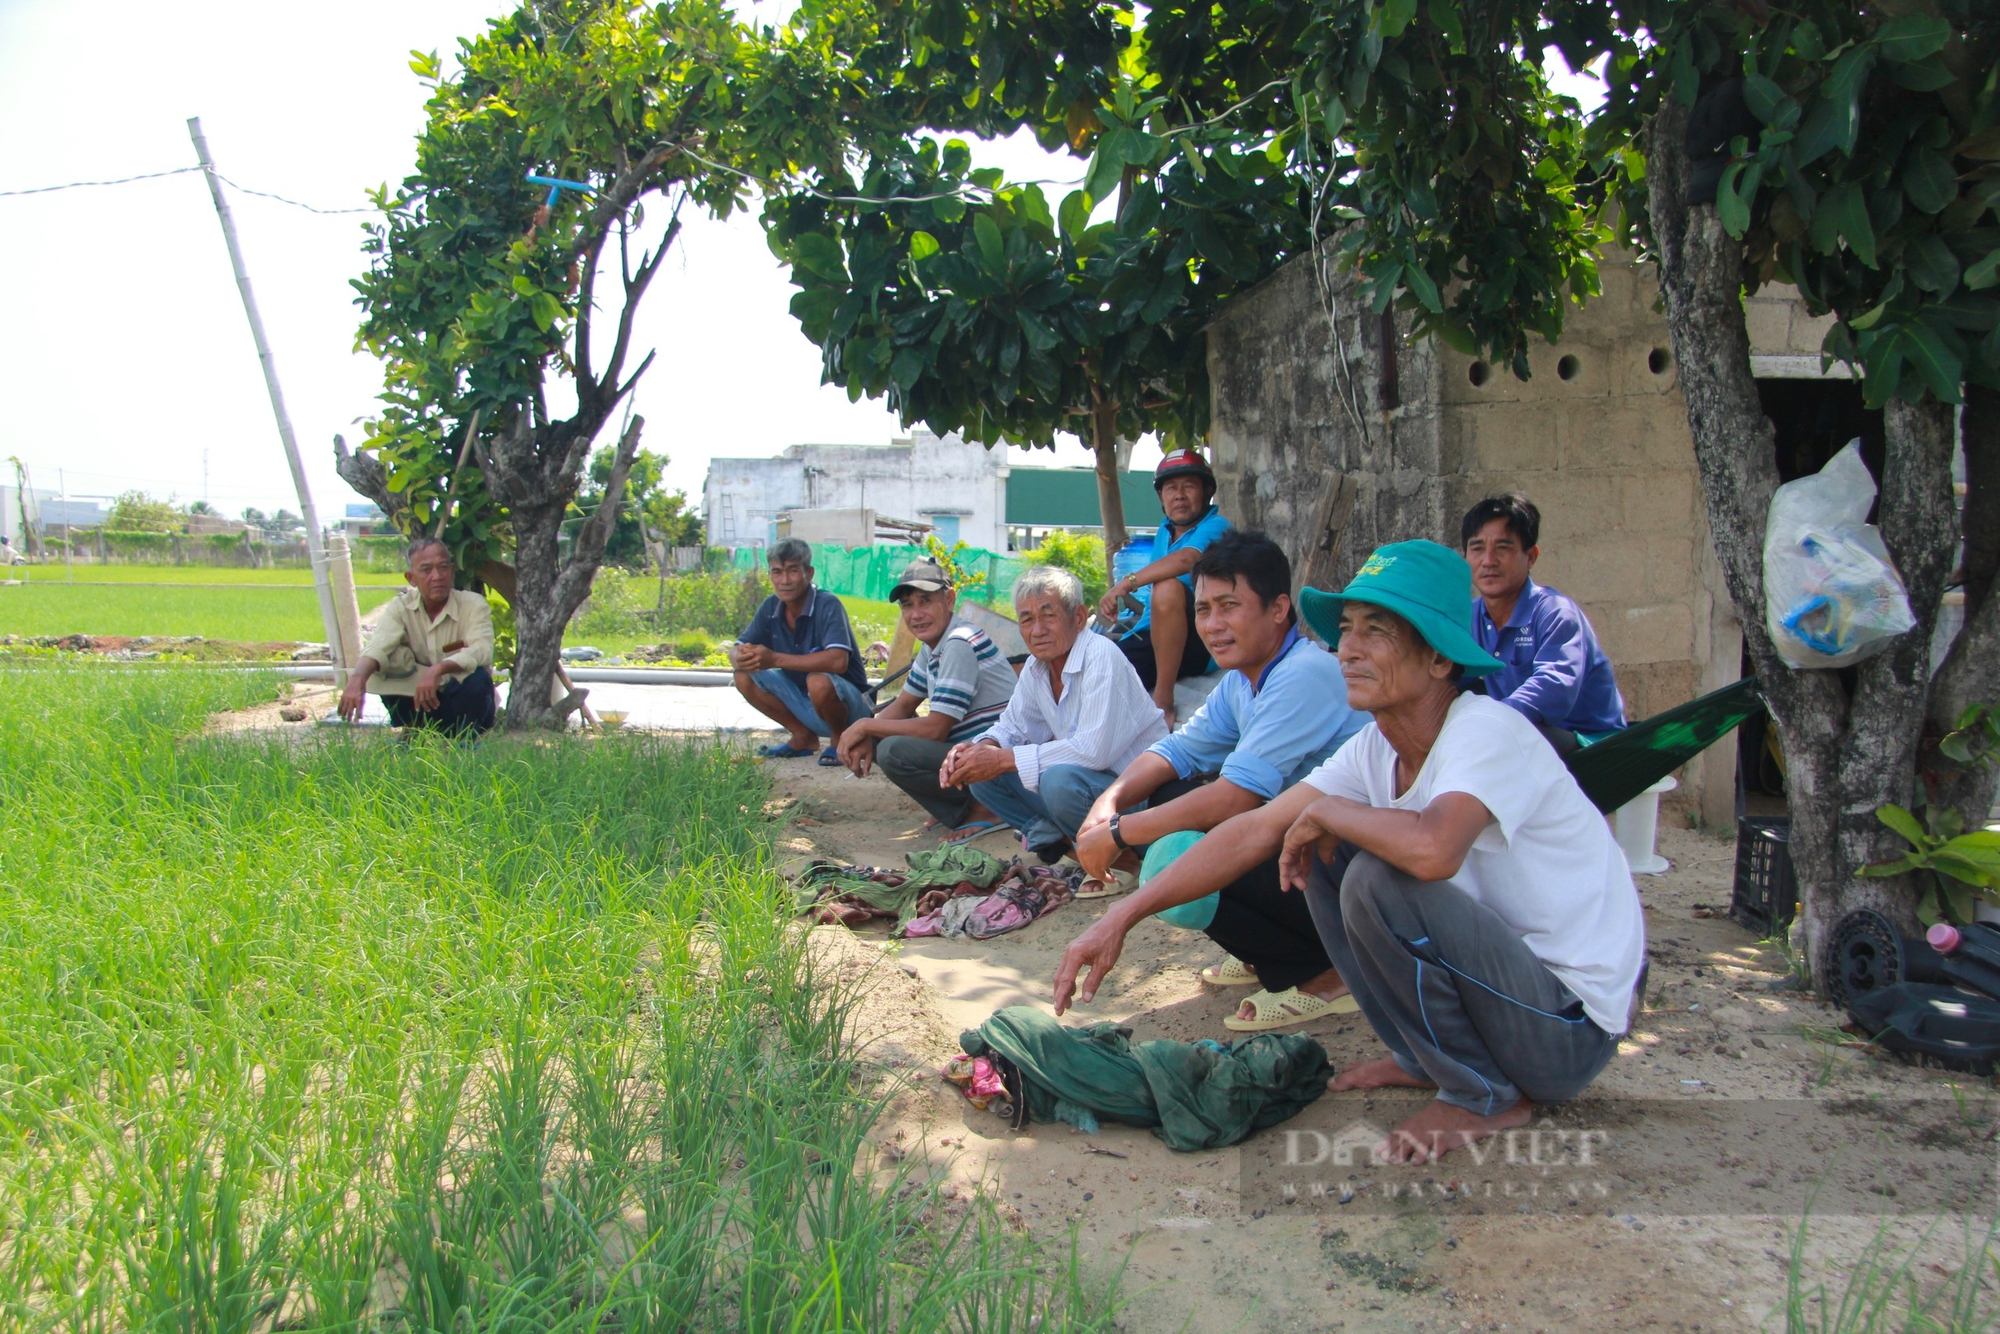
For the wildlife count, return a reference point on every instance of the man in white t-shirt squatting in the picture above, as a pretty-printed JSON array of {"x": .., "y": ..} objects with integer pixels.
[{"x": 1466, "y": 889}]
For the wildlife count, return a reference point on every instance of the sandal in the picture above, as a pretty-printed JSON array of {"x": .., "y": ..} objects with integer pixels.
[
  {"x": 830, "y": 758},
  {"x": 784, "y": 750},
  {"x": 1119, "y": 882},
  {"x": 1282, "y": 1009},
  {"x": 972, "y": 829},
  {"x": 1231, "y": 972}
]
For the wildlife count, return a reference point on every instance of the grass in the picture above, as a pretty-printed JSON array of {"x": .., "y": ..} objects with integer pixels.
[
  {"x": 252, "y": 613},
  {"x": 333, "y": 1034},
  {"x": 1892, "y": 1290}
]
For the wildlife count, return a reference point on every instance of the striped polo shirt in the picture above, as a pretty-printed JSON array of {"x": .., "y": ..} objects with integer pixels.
[{"x": 965, "y": 678}]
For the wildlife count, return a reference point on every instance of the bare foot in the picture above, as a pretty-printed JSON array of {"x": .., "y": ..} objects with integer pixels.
[
  {"x": 1441, "y": 1127},
  {"x": 1379, "y": 1074}
]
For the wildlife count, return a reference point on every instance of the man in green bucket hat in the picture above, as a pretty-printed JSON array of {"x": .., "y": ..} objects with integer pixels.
[{"x": 1464, "y": 887}]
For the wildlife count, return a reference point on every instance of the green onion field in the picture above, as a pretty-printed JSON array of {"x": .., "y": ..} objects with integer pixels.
[{"x": 324, "y": 1032}]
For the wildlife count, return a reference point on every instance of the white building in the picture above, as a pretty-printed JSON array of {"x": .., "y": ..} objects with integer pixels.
[{"x": 960, "y": 489}]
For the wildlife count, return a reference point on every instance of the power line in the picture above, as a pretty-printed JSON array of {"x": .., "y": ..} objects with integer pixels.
[
  {"x": 79, "y": 185},
  {"x": 180, "y": 171},
  {"x": 265, "y": 194}
]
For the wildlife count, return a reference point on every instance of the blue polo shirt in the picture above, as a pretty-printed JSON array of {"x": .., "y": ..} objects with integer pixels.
[
  {"x": 1200, "y": 536},
  {"x": 1553, "y": 669},
  {"x": 822, "y": 625},
  {"x": 1267, "y": 735}
]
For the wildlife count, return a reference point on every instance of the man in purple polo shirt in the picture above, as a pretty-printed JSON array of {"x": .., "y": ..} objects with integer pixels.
[{"x": 1552, "y": 669}]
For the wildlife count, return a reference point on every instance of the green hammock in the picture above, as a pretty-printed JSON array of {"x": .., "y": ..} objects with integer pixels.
[{"x": 1613, "y": 771}]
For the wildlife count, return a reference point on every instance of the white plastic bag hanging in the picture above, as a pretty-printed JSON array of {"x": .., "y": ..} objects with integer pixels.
[{"x": 1831, "y": 593}]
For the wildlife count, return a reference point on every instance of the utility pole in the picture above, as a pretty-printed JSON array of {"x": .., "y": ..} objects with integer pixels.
[{"x": 315, "y": 542}]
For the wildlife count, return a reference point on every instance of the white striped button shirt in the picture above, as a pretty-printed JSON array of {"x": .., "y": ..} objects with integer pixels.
[{"x": 1104, "y": 721}]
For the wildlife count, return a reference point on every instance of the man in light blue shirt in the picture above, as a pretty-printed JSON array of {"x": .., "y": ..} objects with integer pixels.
[
  {"x": 1280, "y": 710},
  {"x": 1162, "y": 645}
]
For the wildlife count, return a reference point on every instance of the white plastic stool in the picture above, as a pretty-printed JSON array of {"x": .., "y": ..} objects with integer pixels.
[{"x": 1637, "y": 823}]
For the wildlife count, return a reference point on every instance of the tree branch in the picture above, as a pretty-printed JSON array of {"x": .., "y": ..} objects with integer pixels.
[
  {"x": 573, "y": 584},
  {"x": 635, "y": 291}
]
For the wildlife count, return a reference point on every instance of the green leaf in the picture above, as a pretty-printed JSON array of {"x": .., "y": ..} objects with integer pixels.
[
  {"x": 1732, "y": 207},
  {"x": 1984, "y": 271},
  {"x": 1912, "y": 37},
  {"x": 1934, "y": 361},
  {"x": 1426, "y": 291},
  {"x": 992, "y": 247},
  {"x": 906, "y": 367},
  {"x": 1905, "y": 824},
  {"x": 1444, "y": 13},
  {"x": 1807, "y": 41},
  {"x": 1887, "y": 870},
  {"x": 1922, "y": 76},
  {"x": 546, "y": 311},
  {"x": 1074, "y": 214},
  {"x": 1107, "y": 165},
  {"x": 1394, "y": 16},
  {"x": 819, "y": 253},
  {"x": 1931, "y": 265},
  {"x": 1981, "y": 147},
  {"x": 1767, "y": 101},
  {"x": 922, "y": 245},
  {"x": 1846, "y": 211},
  {"x": 1334, "y": 117},
  {"x": 1928, "y": 179}
]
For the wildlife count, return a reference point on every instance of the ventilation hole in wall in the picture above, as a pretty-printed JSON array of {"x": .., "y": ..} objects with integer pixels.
[
  {"x": 1479, "y": 373},
  {"x": 1658, "y": 360},
  {"x": 1568, "y": 368}
]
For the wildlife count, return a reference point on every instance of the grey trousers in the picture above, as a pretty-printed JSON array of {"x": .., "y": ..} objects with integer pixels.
[
  {"x": 911, "y": 763},
  {"x": 1452, "y": 990}
]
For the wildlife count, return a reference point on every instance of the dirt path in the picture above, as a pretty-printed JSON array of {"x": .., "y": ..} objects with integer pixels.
[{"x": 1728, "y": 1058}]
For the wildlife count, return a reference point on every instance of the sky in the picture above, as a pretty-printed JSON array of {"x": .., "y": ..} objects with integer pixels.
[{"x": 128, "y": 362}]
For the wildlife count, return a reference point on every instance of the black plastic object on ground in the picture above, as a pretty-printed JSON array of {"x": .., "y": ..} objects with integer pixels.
[
  {"x": 1613, "y": 771},
  {"x": 1767, "y": 888},
  {"x": 1975, "y": 961},
  {"x": 1193, "y": 1095},
  {"x": 1935, "y": 1024},
  {"x": 1868, "y": 954}
]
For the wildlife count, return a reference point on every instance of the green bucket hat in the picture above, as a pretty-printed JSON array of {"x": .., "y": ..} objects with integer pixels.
[{"x": 1426, "y": 584}]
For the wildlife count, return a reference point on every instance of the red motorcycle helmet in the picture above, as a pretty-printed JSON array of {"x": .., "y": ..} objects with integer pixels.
[{"x": 1184, "y": 463}]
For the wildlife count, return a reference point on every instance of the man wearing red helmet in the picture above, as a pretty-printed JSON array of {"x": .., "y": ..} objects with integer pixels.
[{"x": 1163, "y": 645}]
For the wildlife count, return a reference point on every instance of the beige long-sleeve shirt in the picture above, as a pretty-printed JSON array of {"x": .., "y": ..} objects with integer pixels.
[{"x": 408, "y": 639}]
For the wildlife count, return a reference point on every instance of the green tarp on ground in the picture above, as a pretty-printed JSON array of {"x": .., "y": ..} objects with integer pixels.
[{"x": 1193, "y": 1095}]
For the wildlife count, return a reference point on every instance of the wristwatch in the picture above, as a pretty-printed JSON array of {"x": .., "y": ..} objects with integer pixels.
[{"x": 1117, "y": 837}]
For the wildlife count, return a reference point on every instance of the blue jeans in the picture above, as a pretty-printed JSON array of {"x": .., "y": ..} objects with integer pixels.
[
  {"x": 794, "y": 697},
  {"x": 1051, "y": 815},
  {"x": 1453, "y": 992}
]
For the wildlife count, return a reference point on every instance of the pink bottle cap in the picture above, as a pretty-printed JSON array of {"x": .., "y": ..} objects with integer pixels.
[{"x": 1943, "y": 937}]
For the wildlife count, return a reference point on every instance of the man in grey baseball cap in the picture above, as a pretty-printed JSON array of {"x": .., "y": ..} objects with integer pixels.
[{"x": 967, "y": 681}]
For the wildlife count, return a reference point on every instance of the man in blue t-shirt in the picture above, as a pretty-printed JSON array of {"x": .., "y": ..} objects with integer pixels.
[
  {"x": 1279, "y": 711},
  {"x": 1553, "y": 670},
  {"x": 796, "y": 662},
  {"x": 1163, "y": 645}
]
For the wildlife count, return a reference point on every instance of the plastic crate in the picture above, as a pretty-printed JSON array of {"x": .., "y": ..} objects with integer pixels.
[{"x": 1767, "y": 890}]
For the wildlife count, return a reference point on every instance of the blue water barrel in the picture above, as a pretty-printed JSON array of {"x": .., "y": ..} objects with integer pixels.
[{"x": 1131, "y": 558}]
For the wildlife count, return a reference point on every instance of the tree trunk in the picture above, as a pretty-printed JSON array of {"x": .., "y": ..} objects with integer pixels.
[
  {"x": 539, "y": 619},
  {"x": 1110, "y": 495},
  {"x": 1843, "y": 757},
  {"x": 1970, "y": 673},
  {"x": 534, "y": 471}
]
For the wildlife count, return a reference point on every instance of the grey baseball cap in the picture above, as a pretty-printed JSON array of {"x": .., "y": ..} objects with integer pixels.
[{"x": 920, "y": 576}]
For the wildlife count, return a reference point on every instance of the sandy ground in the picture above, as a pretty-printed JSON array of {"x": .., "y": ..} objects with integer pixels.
[
  {"x": 1198, "y": 1254},
  {"x": 1206, "y": 1241}
]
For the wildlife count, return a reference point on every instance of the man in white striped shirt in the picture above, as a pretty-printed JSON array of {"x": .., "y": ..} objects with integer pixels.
[
  {"x": 961, "y": 671},
  {"x": 1078, "y": 716}
]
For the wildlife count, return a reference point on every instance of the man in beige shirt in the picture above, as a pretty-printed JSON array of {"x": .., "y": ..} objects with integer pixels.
[{"x": 431, "y": 655}]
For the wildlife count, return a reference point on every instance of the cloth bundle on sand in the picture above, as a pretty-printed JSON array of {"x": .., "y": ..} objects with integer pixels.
[
  {"x": 1193, "y": 1095},
  {"x": 1020, "y": 896},
  {"x": 851, "y": 895}
]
